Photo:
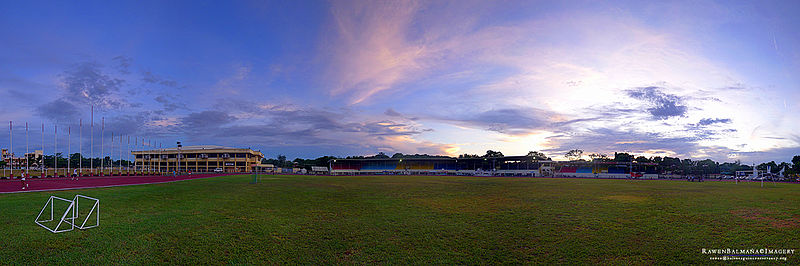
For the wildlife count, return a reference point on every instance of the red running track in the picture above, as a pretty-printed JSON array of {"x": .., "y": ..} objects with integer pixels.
[{"x": 49, "y": 184}]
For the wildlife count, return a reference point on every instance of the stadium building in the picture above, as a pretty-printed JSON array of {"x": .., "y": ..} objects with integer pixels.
[
  {"x": 203, "y": 158},
  {"x": 508, "y": 165},
  {"x": 495, "y": 166}
]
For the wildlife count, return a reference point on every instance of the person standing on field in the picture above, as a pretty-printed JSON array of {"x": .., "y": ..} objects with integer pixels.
[{"x": 24, "y": 184}]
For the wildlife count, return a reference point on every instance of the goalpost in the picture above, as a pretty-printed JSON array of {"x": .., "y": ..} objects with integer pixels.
[{"x": 71, "y": 214}]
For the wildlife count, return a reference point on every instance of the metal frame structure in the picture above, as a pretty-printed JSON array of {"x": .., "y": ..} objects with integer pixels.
[
  {"x": 73, "y": 210},
  {"x": 95, "y": 206},
  {"x": 64, "y": 217}
]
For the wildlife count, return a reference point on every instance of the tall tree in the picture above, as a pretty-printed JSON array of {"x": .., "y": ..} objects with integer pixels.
[
  {"x": 598, "y": 157},
  {"x": 491, "y": 153},
  {"x": 642, "y": 159},
  {"x": 574, "y": 154},
  {"x": 622, "y": 157},
  {"x": 538, "y": 155}
]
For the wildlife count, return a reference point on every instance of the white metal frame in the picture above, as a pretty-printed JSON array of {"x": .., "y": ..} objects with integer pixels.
[
  {"x": 95, "y": 207},
  {"x": 70, "y": 210},
  {"x": 73, "y": 210}
]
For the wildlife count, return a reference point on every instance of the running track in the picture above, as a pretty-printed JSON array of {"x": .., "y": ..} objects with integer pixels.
[{"x": 49, "y": 184}]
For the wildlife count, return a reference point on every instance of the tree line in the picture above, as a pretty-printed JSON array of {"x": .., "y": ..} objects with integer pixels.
[
  {"x": 75, "y": 161},
  {"x": 669, "y": 165}
]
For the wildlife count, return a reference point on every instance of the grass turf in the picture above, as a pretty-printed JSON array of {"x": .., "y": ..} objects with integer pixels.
[{"x": 408, "y": 220}]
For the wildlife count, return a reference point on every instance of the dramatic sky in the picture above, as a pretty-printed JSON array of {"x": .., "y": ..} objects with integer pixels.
[{"x": 696, "y": 79}]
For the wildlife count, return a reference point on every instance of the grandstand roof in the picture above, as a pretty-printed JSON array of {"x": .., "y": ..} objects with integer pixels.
[{"x": 196, "y": 147}]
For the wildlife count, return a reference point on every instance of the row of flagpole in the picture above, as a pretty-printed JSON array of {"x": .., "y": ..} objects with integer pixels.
[{"x": 136, "y": 143}]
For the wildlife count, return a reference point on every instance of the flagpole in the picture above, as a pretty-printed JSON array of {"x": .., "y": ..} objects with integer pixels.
[
  {"x": 55, "y": 149},
  {"x": 91, "y": 144},
  {"x": 27, "y": 166},
  {"x": 102, "y": 154},
  {"x": 80, "y": 147},
  {"x": 120, "y": 155},
  {"x": 69, "y": 148},
  {"x": 42, "y": 165}
]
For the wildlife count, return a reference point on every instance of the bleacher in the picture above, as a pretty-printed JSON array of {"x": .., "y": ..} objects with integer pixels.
[
  {"x": 618, "y": 170},
  {"x": 379, "y": 166},
  {"x": 584, "y": 170},
  {"x": 568, "y": 169}
]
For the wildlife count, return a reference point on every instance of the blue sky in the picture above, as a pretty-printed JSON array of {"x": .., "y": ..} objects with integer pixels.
[{"x": 697, "y": 79}]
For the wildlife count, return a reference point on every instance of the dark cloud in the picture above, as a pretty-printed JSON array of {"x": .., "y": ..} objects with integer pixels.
[
  {"x": 392, "y": 112},
  {"x": 512, "y": 121},
  {"x": 662, "y": 105},
  {"x": 169, "y": 103},
  {"x": 205, "y": 120},
  {"x": 123, "y": 64},
  {"x": 606, "y": 140},
  {"x": 152, "y": 78},
  {"x": 295, "y": 126},
  {"x": 130, "y": 124},
  {"x": 86, "y": 84},
  {"x": 709, "y": 121},
  {"x": 58, "y": 110},
  {"x": 387, "y": 128}
]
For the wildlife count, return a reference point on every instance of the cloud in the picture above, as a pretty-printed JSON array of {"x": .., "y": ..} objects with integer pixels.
[
  {"x": 370, "y": 49},
  {"x": 607, "y": 140},
  {"x": 662, "y": 105},
  {"x": 58, "y": 110},
  {"x": 152, "y": 78},
  {"x": 709, "y": 121},
  {"x": 392, "y": 112},
  {"x": 123, "y": 63},
  {"x": 86, "y": 84},
  {"x": 206, "y": 119},
  {"x": 512, "y": 121},
  {"x": 290, "y": 125},
  {"x": 169, "y": 103}
]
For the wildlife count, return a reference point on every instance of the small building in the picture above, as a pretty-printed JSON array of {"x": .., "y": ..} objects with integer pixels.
[{"x": 200, "y": 158}]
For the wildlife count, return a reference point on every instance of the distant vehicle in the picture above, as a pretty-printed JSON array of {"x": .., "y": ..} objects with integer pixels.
[{"x": 218, "y": 170}]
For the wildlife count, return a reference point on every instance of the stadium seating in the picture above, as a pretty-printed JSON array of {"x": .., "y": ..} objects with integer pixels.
[
  {"x": 568, "y": 169},
  {"x": 585, "y": 170},
  {"x": 346, "y": 167},
  {"x": 379, "y": 166},
  {"x": 617, "y": 170},
  {"x": 600, "y": 170},
  {"x": 444, "y": 166}
]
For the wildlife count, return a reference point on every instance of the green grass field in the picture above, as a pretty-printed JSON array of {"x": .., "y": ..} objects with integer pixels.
[{"x": 408, "y": 220}]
